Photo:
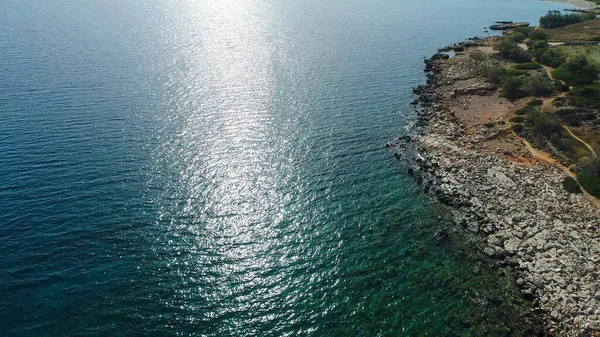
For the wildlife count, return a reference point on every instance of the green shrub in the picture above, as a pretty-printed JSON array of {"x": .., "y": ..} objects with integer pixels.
[
  {"x": 518, "y": 128},
  {"x": 517, "y": 119},
  {"x": 577, "y": 71},
  {"x": 556, "y": 19},
  {"x": 590, "y": 183},
  {"x": 529, "y": 111},
  {"x": 535, "y": 102},
  {"x": 537, "y": 34},
  {"x": 537, "y": 48},
  {"x": 522, "y": 111},
  {"x": 526, "y": 31},
  {"x": 560, "y": 86},
  {"x": 570, "y": 185},
  {"x": 552, "y": 58},
  {"x": 586, "y": 96},
  {"x": 538, "y": 86},
  {"x": 495, "y": 75},
  {"x": 544, "y": 124},
  {"x": 516, "y": 37},
  {"x": 490, "y": 125},
  {"x": 528, "y": 66},
  {"x": 515, "y": 72},
  {"x": 511, "y": 50},
  {"x": 511, "y": 87},
  {"x": 573, "y": 120}
]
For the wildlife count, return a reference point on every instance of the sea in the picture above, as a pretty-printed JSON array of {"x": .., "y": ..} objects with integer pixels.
[{"x": 218, "y": 168}]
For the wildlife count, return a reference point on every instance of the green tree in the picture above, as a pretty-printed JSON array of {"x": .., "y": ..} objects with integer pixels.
[
  {"x": 511, "y": 87},
  {"x": 552, "y": 58},
  {"x": 511, "y": 50},
  {"x": 556, "y": 19},
  {"x": 538, "y": 86}
]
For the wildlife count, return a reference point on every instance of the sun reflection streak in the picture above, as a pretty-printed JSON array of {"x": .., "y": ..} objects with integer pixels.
[{"x": 224, "y": 149}]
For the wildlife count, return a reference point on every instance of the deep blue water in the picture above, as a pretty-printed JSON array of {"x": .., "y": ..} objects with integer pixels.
[{"x": 217, "y": 168}]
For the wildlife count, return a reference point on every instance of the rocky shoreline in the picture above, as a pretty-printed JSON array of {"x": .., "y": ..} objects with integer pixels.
[{"x": 514, "y": 202}]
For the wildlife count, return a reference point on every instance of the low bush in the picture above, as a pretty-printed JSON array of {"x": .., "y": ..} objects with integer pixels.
[
  {"x": 590, "y": 183},
  {"x": 552, "y": 58},
  {"x": 521, "y": 111},
  {"x": 573, "y": 120},
  {"x": 528, "y": 110},
  {"x": 518, "y": 128},
  {"x": 587, "y": 96},
  {"x": 490, "y": 125},
  {"x": 560, "y": 86},
  {"x": 577, "y": 71},
  {"x": 538, "y": 86},
  {"x": 526, "y": 31},
  {"x": 528, "y": 66},
  {"x": 535, "y": 102},
  {"x": 511, "y": 87},
  {"x": 515, "y": 72},
  {"x": 544, "y": 124},
  {"x": 570, "y": 185},
  {"x": 537, "y": 34},
  {"x": 516, "y": 37},
  {"x": 517, "y": 119},
  {"x": 495, "y": 75},
  {"x": 511, "y": 50},
  {"x": 537, "y": 48}
]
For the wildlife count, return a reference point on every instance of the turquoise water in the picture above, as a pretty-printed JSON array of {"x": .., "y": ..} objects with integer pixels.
[{"x": 217, "y": 168}]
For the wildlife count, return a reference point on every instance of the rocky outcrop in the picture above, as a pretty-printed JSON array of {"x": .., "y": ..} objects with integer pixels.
[
  {"x": 523, "y": 215},
  {"x": 476, "y": 89},
  {"x": 506, "y": 25}
]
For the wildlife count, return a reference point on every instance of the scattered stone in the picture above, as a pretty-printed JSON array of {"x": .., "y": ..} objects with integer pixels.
[{"x": 525, "y": 218}]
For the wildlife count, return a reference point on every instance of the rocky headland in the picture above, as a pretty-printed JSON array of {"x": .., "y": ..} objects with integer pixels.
[{"x": 509, "y": 193}]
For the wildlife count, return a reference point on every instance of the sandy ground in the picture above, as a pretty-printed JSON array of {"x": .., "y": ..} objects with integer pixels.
[{"x": 577, "y": 3}]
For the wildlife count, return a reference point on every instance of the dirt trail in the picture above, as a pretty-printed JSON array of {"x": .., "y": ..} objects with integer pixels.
[
  {"x": 545, "y": 157},
  {"x": 540, "y": 155},
  {"x": 548, "y": 103},
  {"x": 549, "y": 73},
  {"x": 579, "y": 139}
]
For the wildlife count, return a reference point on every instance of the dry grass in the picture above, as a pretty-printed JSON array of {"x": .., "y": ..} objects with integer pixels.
[
  {"x": 590, "y": 51},
  {"x": 584, "y": 31}
]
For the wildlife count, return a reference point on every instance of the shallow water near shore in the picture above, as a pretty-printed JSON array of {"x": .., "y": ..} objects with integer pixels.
[{"x": 217, "y": 168}]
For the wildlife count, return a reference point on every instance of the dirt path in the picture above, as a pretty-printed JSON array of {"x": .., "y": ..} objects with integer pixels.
[
  {"x": 549, "y": 73},
  {"x": 579, "y": 139},
  {"x": 548, "y": 103},
  {"x": 547, "y": 158},
  {"x": 540, "y": 155}
]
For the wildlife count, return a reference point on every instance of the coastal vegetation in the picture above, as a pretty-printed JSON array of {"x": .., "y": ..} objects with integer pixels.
[
  {"x": 570, "y": 185},
  {"x": 516, "y": 83},
  {"x": 556, "y": 19},
  {"x": 578, "y": 70},
  {"x": 563, "y": 84},
  {"x": 584, "y": 31},
  {"x": 511, "y": 50},
  {"x": 512, "y": 129}
]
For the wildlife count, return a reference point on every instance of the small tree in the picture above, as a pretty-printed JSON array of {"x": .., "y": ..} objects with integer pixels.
[
  {"x": 538, "y": 86},
  {"x": 511, "y": 87},
  {"x": 555, "y": 19},
  {"x": 537, "y": 34},
  {"x": 511, "y": 50},
  {"x": 552, "y": 58},
  {"x": 537, "y": 48},
  {"x": 495, "y": 75}
]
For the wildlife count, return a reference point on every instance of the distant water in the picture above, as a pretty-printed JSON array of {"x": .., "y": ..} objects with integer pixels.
[{"x": 217, "y": 168}]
